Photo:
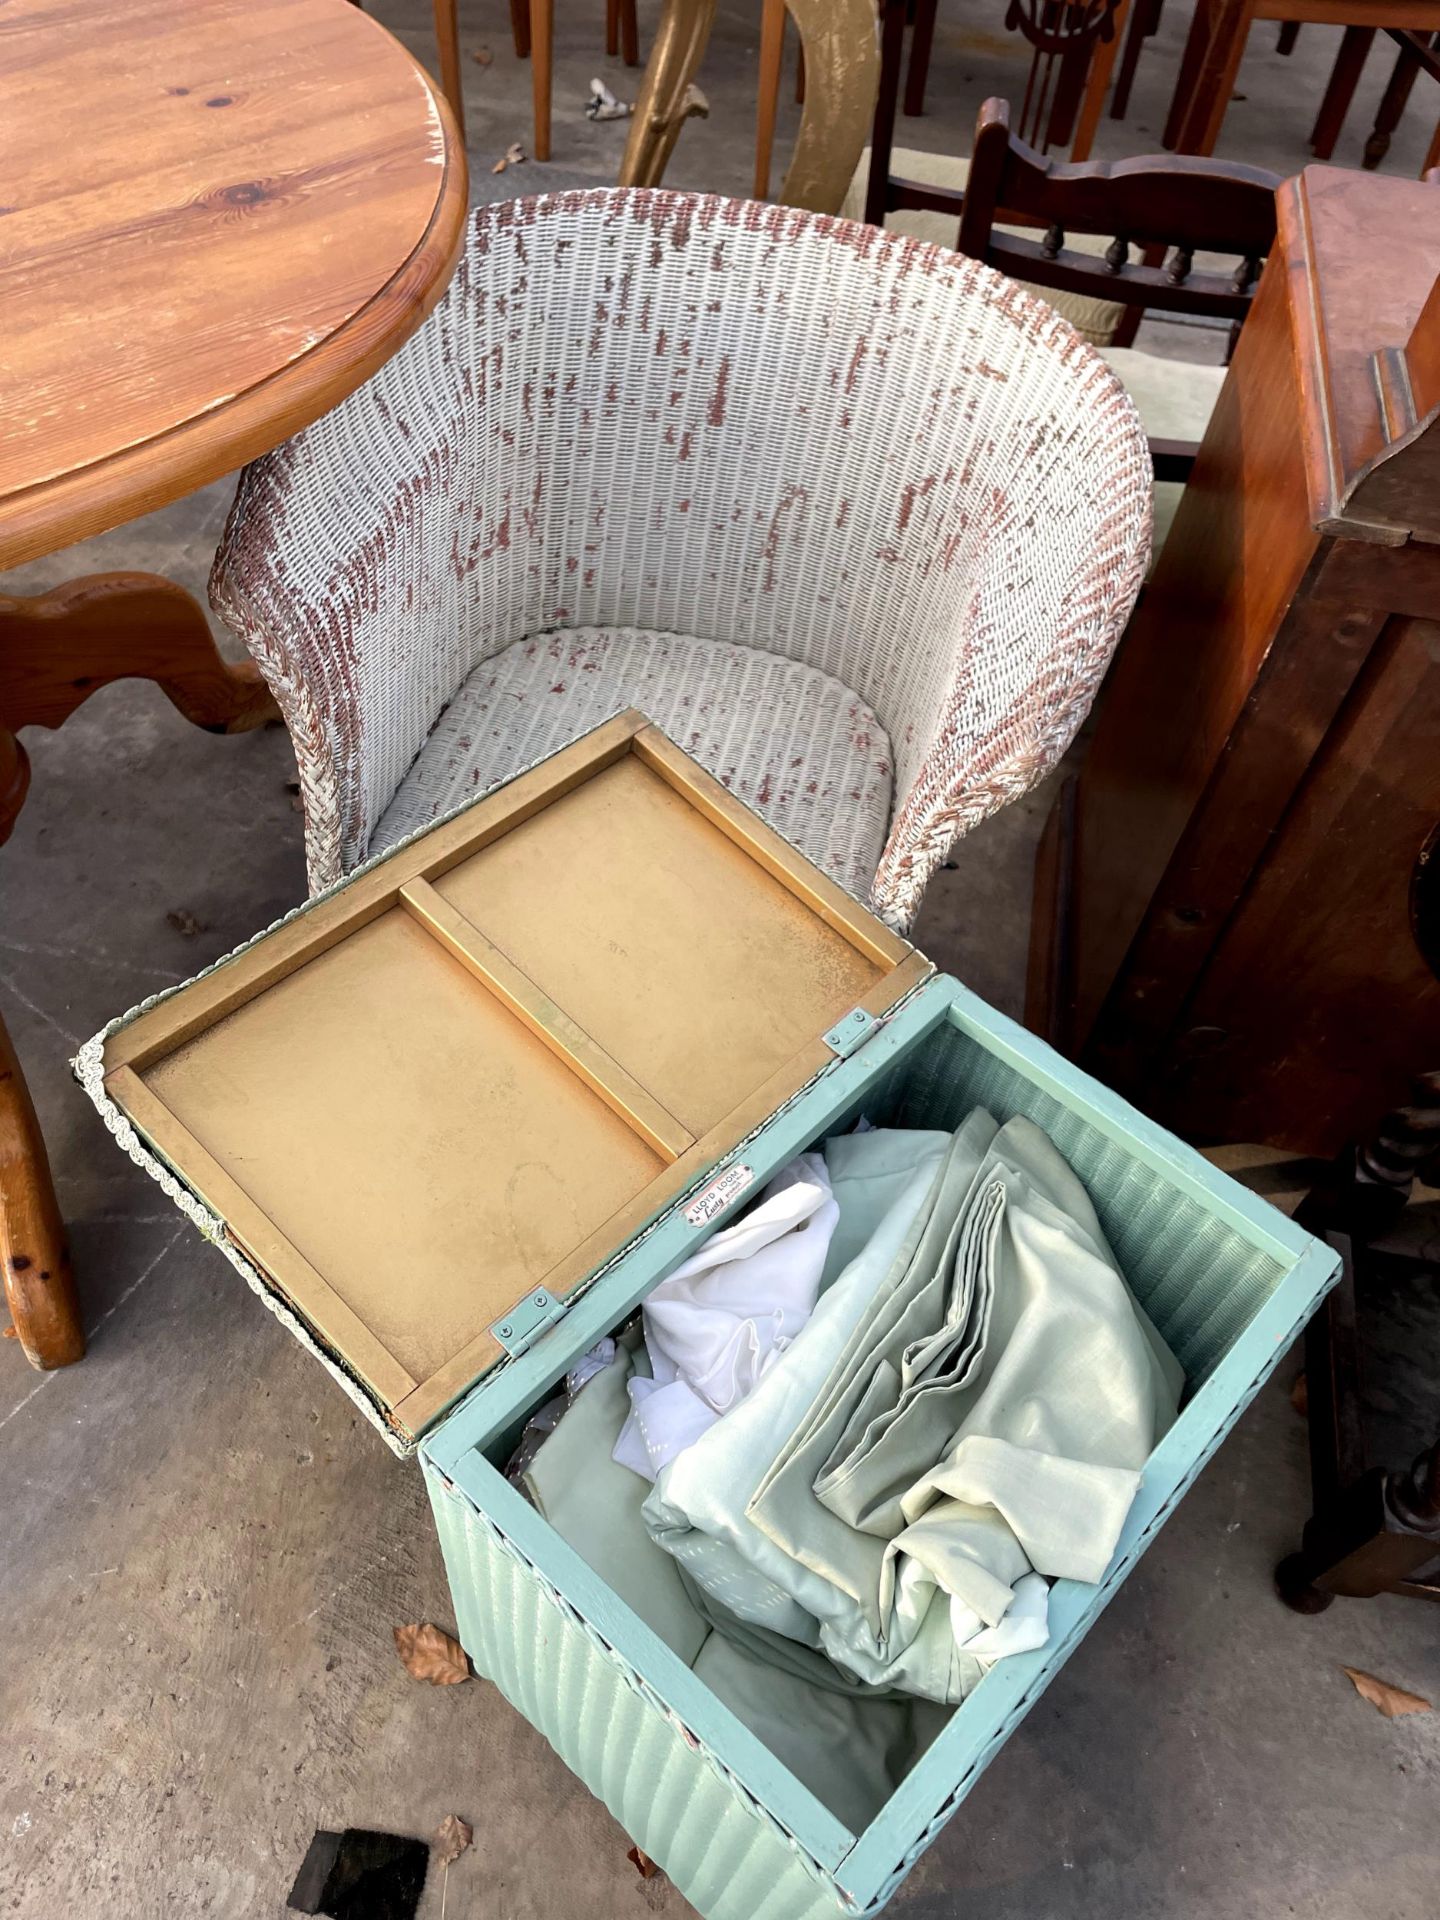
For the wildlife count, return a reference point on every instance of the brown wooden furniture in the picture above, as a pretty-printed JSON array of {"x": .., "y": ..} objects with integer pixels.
[
  {"x": 1068, "y": 44},
  {"x": 168, "y": 311},
  {"x": 1216, "y": 46},
  {"x": 534, "y": 29},
  {"x": 1373, "y": 1529},
  {"x": 621, "y": 29},
  {"x": 1170, "y": 208},
  {"x": 1419, "y": 53},
  {"x": 1232, "y": 905}
]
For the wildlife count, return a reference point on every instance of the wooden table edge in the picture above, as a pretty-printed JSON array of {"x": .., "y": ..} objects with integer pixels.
[{"x": 52, "y": 514}]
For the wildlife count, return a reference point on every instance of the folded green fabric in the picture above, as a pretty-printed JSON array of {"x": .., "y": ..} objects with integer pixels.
[
  {"x": 852, "y": 1753},
  {"x": 850, "y": 1746},
  {"x": 595, "y": 1505},
  {"x": 973, "y": 1398}
]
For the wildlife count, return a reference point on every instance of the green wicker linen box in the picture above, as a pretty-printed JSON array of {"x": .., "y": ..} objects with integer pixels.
[{"x": 454, "y": 1119}]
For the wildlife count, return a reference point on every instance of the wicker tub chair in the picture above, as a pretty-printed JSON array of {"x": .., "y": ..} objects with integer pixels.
[{"x": 855, "y": 520}]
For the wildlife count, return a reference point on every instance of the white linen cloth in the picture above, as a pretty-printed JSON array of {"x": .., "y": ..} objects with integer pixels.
[{"x": 719, "y": 1322}]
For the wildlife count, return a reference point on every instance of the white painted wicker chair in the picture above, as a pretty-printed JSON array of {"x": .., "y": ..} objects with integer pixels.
[{"x": 855, "y": 520}]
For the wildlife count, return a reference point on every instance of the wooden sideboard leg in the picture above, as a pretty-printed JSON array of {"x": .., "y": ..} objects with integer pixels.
[{"x": 34, "y": 1252}]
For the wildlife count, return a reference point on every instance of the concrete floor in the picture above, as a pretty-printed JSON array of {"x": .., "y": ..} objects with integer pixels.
[{"x": 206, "y": 1548}]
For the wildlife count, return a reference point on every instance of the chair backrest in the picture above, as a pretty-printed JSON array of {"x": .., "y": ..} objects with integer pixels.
[
  {"x": 1063, "y": 35},
  {"x": 733, "y": 422},
  {"x": 1170, "y": 206}
]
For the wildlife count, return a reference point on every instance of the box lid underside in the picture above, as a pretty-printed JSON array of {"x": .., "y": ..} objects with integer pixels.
[{"x": 487, "y": 1062}]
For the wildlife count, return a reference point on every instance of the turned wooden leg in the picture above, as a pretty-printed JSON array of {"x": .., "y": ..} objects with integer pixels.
[
  {"x": 34, "y": 1253},
  {"x": 629, "y": 33},
  {"x": 1287, "y": 36},
  {"x": 520, "y": 27},
  {"x": 1393, "y": 103},
  {"x": 772, "y": 55},
  {"x": 1370, "y": 1531},
  {"x": 542, "y": 27},
  {"x": 447, "y": 38}
]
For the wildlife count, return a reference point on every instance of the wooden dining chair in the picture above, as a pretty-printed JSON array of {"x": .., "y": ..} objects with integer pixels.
[
  {"x": 622, "y": 35},
  {"x": 532, "y": 26},
  {"x": 1419, "y": 53},
  {"x": 909, "y": 191},
  {"x": 1169, "y": 208}
]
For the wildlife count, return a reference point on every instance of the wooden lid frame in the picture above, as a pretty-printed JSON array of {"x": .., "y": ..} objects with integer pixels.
[{"x": 484, "y": 1064}]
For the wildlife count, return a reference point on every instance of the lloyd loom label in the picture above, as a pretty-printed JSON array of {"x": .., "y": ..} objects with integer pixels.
[{"x": 713, "y": 1200}]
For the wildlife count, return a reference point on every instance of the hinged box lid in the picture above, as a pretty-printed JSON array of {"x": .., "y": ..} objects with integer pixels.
[{"x": 456, "y": 1086}]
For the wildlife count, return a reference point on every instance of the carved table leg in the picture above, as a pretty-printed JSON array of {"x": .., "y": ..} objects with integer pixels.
[
  {"x": 34, "y": 1254},
  {"x": 55, "y": 651},
  {"x": 59, "y": 648}
]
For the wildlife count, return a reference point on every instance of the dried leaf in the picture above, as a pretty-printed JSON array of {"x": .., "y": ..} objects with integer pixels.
[
  {"x": 451, "y": 1838},
  {"x": 183, "y": 921},
  {"x": 429, "y": 1654},
  {"x": 500, "y": 165},
  {"x": 482, "y": 56},
  {"x": 1300, "y": 1395},
  {"x": 642, "y": 1863},
  {"x": 513, "y": 156},
  {"x": 1391, "y": 1701}
]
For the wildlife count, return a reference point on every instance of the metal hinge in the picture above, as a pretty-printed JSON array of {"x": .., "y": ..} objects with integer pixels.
[
  {"x": 847, "y": 1036},
  {"x": 527, "y": 1320}
]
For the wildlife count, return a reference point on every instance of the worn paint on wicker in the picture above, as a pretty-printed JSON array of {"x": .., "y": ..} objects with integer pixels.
[{"x": 722, "y": 421}]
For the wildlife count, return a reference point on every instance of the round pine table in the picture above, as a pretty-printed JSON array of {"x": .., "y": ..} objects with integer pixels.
[{"x": 217, "y": 218}]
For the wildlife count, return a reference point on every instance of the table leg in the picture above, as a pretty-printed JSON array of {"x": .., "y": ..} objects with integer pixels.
[
  {"x": 1229, "y": 24},
  {"x": 1097, "y": 84},
  {"x": 922, "y": 40},
  {"x": 55, "y": 651},
  {"x": 772, "y": 55},
  {"x": 1392, "y": 106},
  {"x": 1344, "y": 78},
  {"x": 1185, "y": 77},
  {"x": 447, "y": 39},
  {"x": 542, "y": 40},
  {"x": 34, "y": 1254}
]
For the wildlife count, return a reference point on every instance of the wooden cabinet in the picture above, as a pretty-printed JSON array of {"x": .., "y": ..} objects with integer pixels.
[{"x": 1237, "y": 922}]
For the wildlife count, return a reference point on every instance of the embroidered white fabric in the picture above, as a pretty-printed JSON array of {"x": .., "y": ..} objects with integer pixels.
[{"x": 671, "y": 414}]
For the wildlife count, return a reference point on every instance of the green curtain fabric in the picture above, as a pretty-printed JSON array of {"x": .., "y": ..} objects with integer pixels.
[
  {"x": 851, "y": 1749},
  {"x": 973, "y": 1399}
]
